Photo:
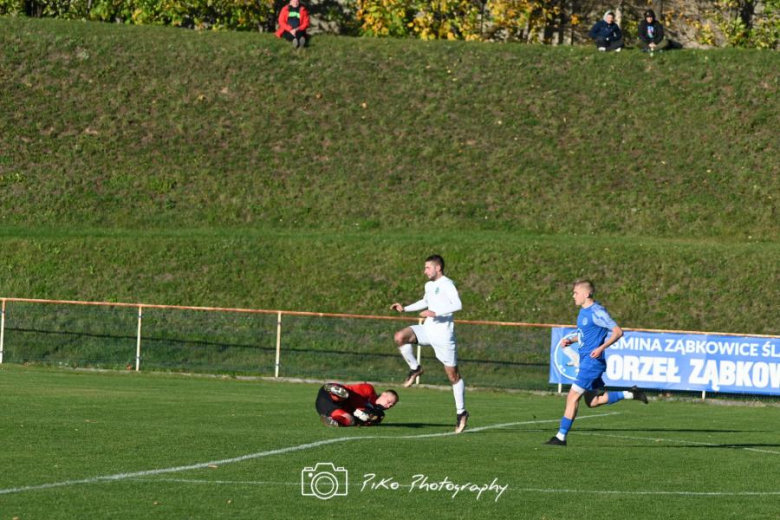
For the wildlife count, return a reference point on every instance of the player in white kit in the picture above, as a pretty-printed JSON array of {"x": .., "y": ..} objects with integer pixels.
[{"x": 438, "y": 330}]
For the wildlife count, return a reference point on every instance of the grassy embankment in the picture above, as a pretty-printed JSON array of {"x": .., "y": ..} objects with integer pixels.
[{"x": 168, "y": 166}]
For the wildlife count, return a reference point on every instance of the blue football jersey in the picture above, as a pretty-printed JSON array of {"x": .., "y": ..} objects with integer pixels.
[{"x": 595, "y": 325}]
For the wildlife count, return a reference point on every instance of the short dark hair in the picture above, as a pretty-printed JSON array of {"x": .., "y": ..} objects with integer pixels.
[
  {"x": 436, "y": 259},
  {"x": 587, "y": 283},
  {"x": 392, "y": 392}
]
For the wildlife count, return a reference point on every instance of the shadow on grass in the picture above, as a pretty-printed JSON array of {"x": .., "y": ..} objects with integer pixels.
[
  {"x": 669, "y": 430},
  {"x": 223, "y": 345},
  {"x": 720, "y": 446},
  {"x": 595, "y": 431},
  {"x": 413, "y": 425}
]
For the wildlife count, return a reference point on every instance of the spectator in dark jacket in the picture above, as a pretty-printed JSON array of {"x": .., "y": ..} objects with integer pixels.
[
  {"x": 651, "y": 33},
  {"x": 293, "y": 22},
  {"x": 607, "y": 34}
]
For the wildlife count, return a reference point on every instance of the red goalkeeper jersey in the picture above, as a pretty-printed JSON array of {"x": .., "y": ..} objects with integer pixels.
[{"x": 360, "y": 396}]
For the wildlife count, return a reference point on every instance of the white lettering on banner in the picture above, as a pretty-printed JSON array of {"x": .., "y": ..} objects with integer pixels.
[
  {"x": 638, "y": 343},
  {"x": 762, "y": 375},
  {"x": 700, "y": 346},
  {"x": 649, "y": 369},
  {"x": 770, "y": 350},
  {"x": 687, "y": 346},
  {"x": 730, "y": 373},
  {"x": 696, "y": 361},
  {"x": 743, "y": 373}
]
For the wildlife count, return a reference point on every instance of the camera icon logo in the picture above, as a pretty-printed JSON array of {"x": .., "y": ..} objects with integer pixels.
[{"x": 324, "y": 481}]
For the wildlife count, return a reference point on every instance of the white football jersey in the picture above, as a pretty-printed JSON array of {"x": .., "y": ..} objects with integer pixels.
[{"x": 440, "y": 297}]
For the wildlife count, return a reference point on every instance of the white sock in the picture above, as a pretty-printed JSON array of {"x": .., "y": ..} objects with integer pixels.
[
  {"x": 628, "y": 395},
  {"x": 561, "y": 437},
  {"x": 408, "y": 353},
  {"x": 459, "y": 390}
]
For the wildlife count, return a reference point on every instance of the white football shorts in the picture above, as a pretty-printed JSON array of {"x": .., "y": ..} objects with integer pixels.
[{"x": 440, "y": 336}]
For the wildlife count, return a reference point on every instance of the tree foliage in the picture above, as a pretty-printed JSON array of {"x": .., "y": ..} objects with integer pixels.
[
  {"x": 196, "y": 14},
  {"x": 749, "y": 23},
  {"x": 737, "y": 23}
]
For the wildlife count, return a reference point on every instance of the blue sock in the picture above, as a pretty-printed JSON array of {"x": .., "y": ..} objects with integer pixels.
[
  {"x": 614, "y": 397},
  {"x": 565, "y": 426}
]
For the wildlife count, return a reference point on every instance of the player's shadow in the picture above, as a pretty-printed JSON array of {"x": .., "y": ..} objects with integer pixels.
[
  {"x": 669, "y": 430},
  {"x": 721, "y": 446},
  {"x": 596, "y": 431},
  {"x": 412, "y": 425}
]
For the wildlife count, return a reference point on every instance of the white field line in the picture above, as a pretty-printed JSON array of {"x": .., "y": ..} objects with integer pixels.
[
  {"x": 260, "y": 454},
  {"x": 520, "y": 490},
  {"x": 656, "y": 439},
  {"x": 217, "y": 482},
  {"x": 672, "y": 493}
]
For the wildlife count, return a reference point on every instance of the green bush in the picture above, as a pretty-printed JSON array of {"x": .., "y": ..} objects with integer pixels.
[{"x": 196, "y": 14}]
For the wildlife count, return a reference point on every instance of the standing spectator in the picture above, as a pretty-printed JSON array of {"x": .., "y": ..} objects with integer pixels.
[
  {"x": 651, "y": 33},
  {"x": 607, "y": 34},
  {"x": 293, "y": 22}
]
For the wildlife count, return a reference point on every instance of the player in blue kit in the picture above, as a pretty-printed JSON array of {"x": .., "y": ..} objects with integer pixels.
[{"x": 597, "y": 332}]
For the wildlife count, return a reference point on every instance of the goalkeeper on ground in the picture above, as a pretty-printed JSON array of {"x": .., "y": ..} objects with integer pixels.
[{"x": 353, "y": 405}]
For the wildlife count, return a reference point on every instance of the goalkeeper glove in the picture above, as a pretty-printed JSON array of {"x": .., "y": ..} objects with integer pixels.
[{"x": 361, "y": 415}]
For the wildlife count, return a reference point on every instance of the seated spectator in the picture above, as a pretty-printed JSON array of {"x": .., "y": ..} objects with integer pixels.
[
  {"x": 651, "y": 34},
  {"x": 607, "y": 34},
  {"x": 293, "y": 22}
]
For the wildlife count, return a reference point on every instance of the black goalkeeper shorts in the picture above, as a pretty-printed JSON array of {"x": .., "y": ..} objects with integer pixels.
[{"x": 324, "y": 404}]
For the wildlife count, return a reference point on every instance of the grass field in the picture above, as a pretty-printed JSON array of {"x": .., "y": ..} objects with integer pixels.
[
  {"x": 97, "y": 445},
  {"x": 156, "y": 165},
  {"x": 150, "y": 164}
]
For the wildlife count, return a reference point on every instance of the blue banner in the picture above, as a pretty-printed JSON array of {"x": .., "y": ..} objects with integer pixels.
[{"x": 666, "y": 361}]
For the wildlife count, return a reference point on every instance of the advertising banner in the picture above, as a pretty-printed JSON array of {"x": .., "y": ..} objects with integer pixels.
[{"x": 667, "y": 361}]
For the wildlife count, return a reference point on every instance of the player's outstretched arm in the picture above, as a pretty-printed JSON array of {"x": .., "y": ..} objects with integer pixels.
[{"x": 416, "y": 306}]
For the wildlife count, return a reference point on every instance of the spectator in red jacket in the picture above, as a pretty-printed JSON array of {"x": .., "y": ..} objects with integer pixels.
[{"x": 293, "y": 22}]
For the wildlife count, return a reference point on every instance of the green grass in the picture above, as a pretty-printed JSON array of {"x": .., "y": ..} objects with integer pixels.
[
  {"x": 148, "y": 164},
  {"x": 155, "y": 127},
  {"x": 651, "y": 283},
  {"x": 693, "y": 460}
]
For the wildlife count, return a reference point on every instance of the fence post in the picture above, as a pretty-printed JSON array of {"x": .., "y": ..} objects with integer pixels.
[
  {"x": 703, "y": 395},
  {"x": 278, "y": 342},
  {"x": 138, "y": 339},
  {"x": 2, "y": 333}
]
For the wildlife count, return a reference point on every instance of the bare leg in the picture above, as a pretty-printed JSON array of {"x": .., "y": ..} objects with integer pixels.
[
  {"x": 452, "y": 374},
  {"x": 572, "y": 404},
  {"x": 404, "y": 336}
]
